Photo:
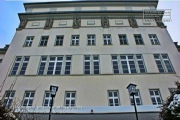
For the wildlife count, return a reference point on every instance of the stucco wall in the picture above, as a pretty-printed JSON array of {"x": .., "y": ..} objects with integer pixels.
[{"x": 91, "y": 89}]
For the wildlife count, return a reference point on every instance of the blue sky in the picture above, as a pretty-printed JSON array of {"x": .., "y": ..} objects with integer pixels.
[{"x": 9, "y": 20}]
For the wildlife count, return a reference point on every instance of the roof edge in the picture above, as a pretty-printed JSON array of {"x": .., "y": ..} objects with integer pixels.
[{"x": 86, "y": 1}]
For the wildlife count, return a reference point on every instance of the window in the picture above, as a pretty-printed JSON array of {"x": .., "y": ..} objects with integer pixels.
[
  {"x": 28, "y": 41},
  {"x": 70, "y": 99},
  {"x": 28, "y": 98},
  {"x": 8, "y": 99},
  {"x": 24, "y": 65},
  {"x": 91, "y": 64},
  {"x": 59, "y": 40},
  {"x": 20, "y": 65},
  {"x": 167, "y": 63},
  {"x": 87, "y": 66},
  {"x": 47, "y": 99},
  {"x": 55, "y": 65},
  {"x": 141, "y": 64},
  {"x": 137, "y": 98},
  {"x": 113, "y": 98},
  {"x": 128, "y": 64},
  {"x": 163, "y": 63},
  {"x": 107, "y": 40},
  {"x": 44, "y": 40},
  {"x": 154, "y": 39},
  {"x": 42, "y": 65},
  {"x": 139, "y": 40},
  {"x": 155, "y": 97},
  {"x": 123, "y": 40},
  {"x": 91, "y": 40},
  {"x": 115, "y": 64},
  {"x": 75, "y": 40},
  {"x": 68, "y": 65}
]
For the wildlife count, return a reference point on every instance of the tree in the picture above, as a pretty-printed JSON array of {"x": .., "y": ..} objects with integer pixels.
[
  {"x": 170, "y": 110},
  {"x": 5, "y": 113}
]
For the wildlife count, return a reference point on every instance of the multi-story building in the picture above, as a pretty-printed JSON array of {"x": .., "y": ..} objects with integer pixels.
[
  {"x": 177, "y": 46},
  {"x": 91, "y": 50},
  {"x": 2, "y": 53}
]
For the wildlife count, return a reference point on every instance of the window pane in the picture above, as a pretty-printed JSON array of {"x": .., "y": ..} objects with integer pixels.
[{"x": 113, "y": 98}]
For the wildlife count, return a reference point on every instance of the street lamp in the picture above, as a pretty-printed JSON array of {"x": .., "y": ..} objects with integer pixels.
[
  {"x": 53, "y": 90},
  {"x": 132, "y": 90}
]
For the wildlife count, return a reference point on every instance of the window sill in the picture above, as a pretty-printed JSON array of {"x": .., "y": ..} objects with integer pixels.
[
  {"x": 155, "y": 44},
  {"x": 91, "y": 45},
  {"x": 74, "y": 45},
  {"x": 93, "y": 74},
  {"x": 124, "y": 44},
  {"x": 27, "y": 46},
  {"x": 107, "y": 44},
  {"x": 58, "y": 45},
  {"x": 42, "y": 46}
]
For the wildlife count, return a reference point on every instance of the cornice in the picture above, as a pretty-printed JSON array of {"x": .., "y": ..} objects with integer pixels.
[
  {"x": 114, "y": 14},
  {"x": 83, "y": 3},
  {"x": 3, "y": 51}
]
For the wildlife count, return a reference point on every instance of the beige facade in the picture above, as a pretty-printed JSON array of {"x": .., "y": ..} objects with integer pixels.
[
  {"x": 91, "y": 89},
  {"x": 2, "y": 53}
]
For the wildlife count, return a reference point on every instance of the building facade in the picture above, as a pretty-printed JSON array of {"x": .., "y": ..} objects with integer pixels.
[
  {"x": 2, "y": 53},
  {"x": 91, "y": 50}
]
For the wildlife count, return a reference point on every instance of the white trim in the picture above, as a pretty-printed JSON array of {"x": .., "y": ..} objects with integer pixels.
[
  {"x": 35, "y": 23},
  {"x": 87, "y": 109}
]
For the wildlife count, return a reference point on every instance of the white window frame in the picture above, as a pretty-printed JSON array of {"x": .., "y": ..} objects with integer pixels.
[
  {"x": 137, "y": 40},
  {"x": 46, "y": 38},
  {"x": 28, "y": 98},
  {"x": 92, "y": 65},
  {"x": 47, "y": 98},
  {"x": 28, "y": 42},
  {"x": 24, "y": 61},
  {"x": 142, "y": 60},
  {"x": 9, "y": 98},
  {"x": 55, "y": 64},
  {"x": 70, "y": 98},
  {"x": 45, "y": 67},
  {"x": 88, "y": 65},
  {"x": 67, "y": 61},
  {"x": 161, "y": 59},
  {"x": 105, "y": 38},
  {"x": 136, "y": 63},
  {"x": 19, "y": 67},
  {"x": 128, "y": 65},
  {"x": 155, "y": 96},
  {"x": 115, "y": 60},
  {"x": 167, "y": 59},
  {"x": 138, "y": 96},
  {"x": 76, "y": 40},
  {"x": 61, "y": 38},
  {"x": 123, "y": 39},
  {"x": 154, "y": 40},
  {"x": 113, "y": 97},
  {"x": 63, "y": 62},
  {"x": 91, "y": 39}
]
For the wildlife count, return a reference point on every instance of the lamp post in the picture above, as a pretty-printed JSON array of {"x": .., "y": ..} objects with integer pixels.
[
  {"x": 53, "y": 90},
  {"x": 132, "y": 90}
]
